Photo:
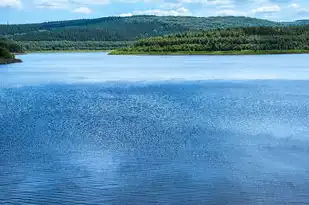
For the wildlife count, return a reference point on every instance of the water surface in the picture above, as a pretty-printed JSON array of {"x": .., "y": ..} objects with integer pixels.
[{"x": 90, "y": 128}]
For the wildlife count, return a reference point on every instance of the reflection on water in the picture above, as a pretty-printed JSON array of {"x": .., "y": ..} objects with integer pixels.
[{"x": 181, "y": 142}]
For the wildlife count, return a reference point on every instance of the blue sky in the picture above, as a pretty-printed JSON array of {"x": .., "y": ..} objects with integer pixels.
[{"x": 27, "y": 11}]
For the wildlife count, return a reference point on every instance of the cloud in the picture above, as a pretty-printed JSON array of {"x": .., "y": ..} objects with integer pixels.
[
  {"x": 55, "y": 4},
  {"x": 169, "y": 5},
  {"x": 95, "y": 2},
  {"x": 83, "y": 10},
  {"x": 230, "y": 12},
  {"x": 126, "y": 15},
  {"x": 210, "y": 2},
  {"x": 10, "y": 3},
  {"x": 294, "y": 6},
  {"x": 267, "y": 9},
  {"x": 270, "y": 9},
  {"x": 303, "y": 13},
  {"x": 67, "y": 4},
  {"x": 160, "y": 12}
]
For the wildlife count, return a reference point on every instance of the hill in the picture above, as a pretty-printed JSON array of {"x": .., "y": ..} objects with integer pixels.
[
  {"x": 250, "y": 40},
  {"x": 297, "y": 23},
  {"x": 122, "y": 28},
  {"x": 97, "y": 34}
]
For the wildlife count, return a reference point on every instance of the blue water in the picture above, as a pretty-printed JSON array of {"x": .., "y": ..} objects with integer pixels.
[{"x": 87, "y": 128}]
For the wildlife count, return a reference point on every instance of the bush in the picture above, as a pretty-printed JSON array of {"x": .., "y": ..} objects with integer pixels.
[{"x": 4, "y": 53}]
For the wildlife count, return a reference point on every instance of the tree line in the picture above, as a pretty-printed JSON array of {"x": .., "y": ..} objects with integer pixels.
[
  {"x": 231, "y": 39},
  {"x": 72, "y": 45}
]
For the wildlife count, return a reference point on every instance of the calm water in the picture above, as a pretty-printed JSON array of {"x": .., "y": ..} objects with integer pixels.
[{"x": 90, "y": 128}]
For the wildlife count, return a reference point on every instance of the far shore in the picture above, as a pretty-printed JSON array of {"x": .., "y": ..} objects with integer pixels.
[
  {"x": 65, "y": 51},
  {"x": 244, "y": 52},
  {"x": 119, "y": 52}
]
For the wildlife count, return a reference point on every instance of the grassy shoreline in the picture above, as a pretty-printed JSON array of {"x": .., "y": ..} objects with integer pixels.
[{"x": 244, "y": 52}]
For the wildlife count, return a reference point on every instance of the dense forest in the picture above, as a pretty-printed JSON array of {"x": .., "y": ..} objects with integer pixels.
[
  {"x": 7, "y": 47},
  {"x": 230, "y": 40},
  {"x": 114, "y": 32},
  {"x": 105, "y": 32},
  {"x": 122, "y": 28},
  {"x": 73, "y": 45}
]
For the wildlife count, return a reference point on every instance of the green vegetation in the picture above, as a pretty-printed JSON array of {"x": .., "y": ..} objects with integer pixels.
[
  {"x": 243, "y": 52},
  {"x": 115, "y": 32},
  {"x": 10, "y": 45},
  {"x": 110, "y": 33},
  {"x": 6, "y": 57},
  {"x": 6, "y": 47},
  {"x": 122, "y": 28},
  {"x": 73, "y": 45},
  {"x": 250, "y": 40},
  {"x": 5, "y": 53}
]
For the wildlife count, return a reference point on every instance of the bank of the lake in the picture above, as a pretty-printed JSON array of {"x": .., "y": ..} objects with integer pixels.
[
  {"x": 234, "y": 41},
  {"x": 7, "y": 50},
  {"x": 243, "y": 52},
  {"x": 8, "y": 61},
  {"x": 68, "y": 51}
]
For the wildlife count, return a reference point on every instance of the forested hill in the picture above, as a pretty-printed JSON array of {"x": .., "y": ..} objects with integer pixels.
[
  {"x": 123, "y": 28},
  {"x": 294, "y": 39}
]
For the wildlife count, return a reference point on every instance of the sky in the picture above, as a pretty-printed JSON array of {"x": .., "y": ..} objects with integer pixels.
[{"x": 33, "y": 11}]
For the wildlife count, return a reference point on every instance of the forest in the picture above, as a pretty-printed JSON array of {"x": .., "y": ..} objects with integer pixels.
[
  {"x": 109, "y": 33},
  {"x": 122, "y": 28},
  {"x": 73, "y": 45},
  {"x": 113, "y": 32},
  {"x": 229, "y": 41},
  {"x": 7, "y": 48}
]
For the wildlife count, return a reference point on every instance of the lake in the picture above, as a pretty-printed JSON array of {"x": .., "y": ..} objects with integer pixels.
[{"x": 88, "y": 128}]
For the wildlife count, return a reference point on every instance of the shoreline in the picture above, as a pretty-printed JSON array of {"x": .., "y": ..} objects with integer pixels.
[
  {"x": 245, "y": 52},
  {"x": 4, "y": 61},
  {"x": 66, "y": 51},
  {"x": 178, "y": 53}
]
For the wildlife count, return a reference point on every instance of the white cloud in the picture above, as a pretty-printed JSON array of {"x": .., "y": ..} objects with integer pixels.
[
  {"x": 160, "y": 12},
  {"x": 267, "y": 9},
  {"x": 271, "y": 9},
  {"x": 93, "y": 2},
  {"x": 294, "y": 6},
  {"x": 55, "y": 4},
  {"x": 10, "y": 3},
  {"x": 168, "y": 5},
  {"x": 227, "y": 6},
  {"x": 68, "y": 4},
  {"x": 212, "y": 2},
  {"x": 230, "y": 12},
  {"x": 83, "y": 10},
  {"x": 219, "y": 2},
  {"x": 126, "y": 15}
]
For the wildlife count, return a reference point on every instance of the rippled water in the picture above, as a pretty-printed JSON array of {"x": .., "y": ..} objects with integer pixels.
[{"x": 96, "y": 129}]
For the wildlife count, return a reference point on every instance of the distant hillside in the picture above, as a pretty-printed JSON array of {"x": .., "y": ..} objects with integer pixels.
[
  {"x": 250, "y": 40},
  {"x": 297, "y": 23},
  {"x": 123, "y": 28},
  {"x": 113, "y": 32}
]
